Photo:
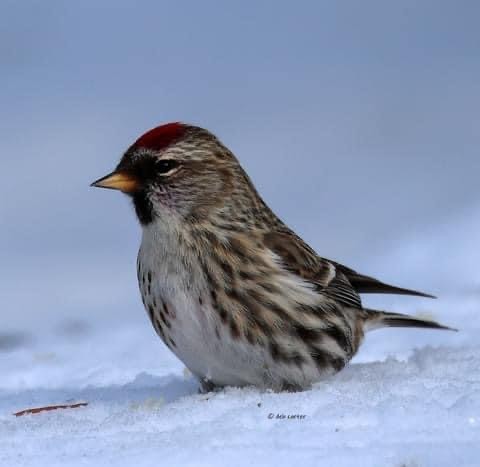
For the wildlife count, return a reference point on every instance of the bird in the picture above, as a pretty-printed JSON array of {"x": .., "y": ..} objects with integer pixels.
[{"x": 232, "y": 291}]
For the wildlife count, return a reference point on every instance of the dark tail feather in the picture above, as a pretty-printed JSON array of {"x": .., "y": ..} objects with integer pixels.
[
  {"x": 376, "y": 319},
  {"x": 366, "y": 284}
]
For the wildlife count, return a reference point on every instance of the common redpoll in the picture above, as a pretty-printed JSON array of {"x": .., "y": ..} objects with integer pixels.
[{"x": 230, "y": 289}]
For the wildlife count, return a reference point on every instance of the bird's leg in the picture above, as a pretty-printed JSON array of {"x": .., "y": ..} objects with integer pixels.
[{"x": 207, "y": 386}]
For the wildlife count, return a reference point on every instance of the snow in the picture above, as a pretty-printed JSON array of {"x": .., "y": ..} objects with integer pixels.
[{"x": 415, "y": 408}]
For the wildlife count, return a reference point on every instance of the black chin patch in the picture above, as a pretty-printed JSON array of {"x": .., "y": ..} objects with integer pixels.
[{"x": 143, "y": 207}]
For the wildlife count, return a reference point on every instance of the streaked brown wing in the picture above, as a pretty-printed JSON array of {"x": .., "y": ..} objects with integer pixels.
[
  {"x": 333, "y": 279},
  {"x": 300, "y": 259}
]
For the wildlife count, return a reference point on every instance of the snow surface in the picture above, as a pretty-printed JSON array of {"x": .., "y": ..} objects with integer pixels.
[{"x": 416, "y": 408}]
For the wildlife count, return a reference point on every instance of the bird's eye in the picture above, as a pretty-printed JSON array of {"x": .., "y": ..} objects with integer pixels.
[{"x": 164, "y": 166}]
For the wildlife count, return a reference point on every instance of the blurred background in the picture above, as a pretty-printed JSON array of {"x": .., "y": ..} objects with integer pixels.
[{"x": 358, "y": 121}]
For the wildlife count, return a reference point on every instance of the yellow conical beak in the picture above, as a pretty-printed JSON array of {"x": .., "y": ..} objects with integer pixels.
[{"x": 127, "y": 183}]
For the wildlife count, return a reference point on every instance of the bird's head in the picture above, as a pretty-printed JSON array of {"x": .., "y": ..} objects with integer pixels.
[{"x": 175, "y": 169}]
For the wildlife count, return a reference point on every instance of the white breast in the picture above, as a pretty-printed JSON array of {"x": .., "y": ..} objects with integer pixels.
[{"x": 178, "y": 301}]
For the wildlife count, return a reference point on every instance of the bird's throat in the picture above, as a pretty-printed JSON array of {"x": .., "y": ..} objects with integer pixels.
[{"x": 143, "y": 207}]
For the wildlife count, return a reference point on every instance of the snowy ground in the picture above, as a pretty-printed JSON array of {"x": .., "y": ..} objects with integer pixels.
[{"x": 394, "y": 406}]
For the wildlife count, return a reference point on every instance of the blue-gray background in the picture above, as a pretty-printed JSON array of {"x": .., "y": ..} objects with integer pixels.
[{"x": 358, "y": 121}]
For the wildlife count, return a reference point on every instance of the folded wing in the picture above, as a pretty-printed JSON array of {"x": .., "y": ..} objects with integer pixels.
[{"x": 333, "y": 279}]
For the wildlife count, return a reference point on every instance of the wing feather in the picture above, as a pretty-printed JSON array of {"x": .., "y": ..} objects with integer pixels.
[
  {"x": 332, "y": 279},
  {"x": 300, "y": 259},
  {"x": 367, "y": 284}
]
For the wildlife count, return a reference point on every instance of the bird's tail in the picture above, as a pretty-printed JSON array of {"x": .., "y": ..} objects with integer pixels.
[{"x": 375, "y": 319}]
